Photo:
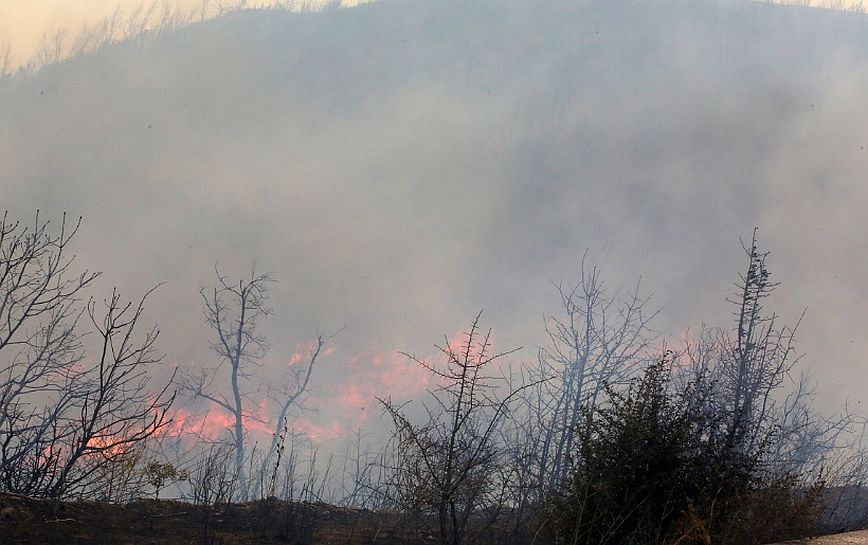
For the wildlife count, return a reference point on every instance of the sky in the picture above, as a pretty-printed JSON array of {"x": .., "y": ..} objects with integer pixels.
[
  {"x": 400, "y": 166},
  {"x": 24, "y": 23}
]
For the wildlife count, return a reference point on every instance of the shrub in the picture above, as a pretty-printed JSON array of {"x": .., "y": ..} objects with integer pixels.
[{"x": 655, "y": 465}]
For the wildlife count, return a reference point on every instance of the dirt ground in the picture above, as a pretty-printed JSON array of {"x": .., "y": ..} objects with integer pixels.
[{"x": 27, "y": 521}]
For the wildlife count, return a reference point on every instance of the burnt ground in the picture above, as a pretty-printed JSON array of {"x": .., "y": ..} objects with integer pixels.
[
  {"x": 30, "y": 521},
  {"x": 149, "y": 522}
]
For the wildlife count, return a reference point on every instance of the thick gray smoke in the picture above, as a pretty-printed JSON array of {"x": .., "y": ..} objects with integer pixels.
[{"x": 401, "y": 165}]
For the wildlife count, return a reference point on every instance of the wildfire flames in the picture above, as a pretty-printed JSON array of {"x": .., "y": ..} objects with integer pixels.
[{"x": 367, "y": 375}]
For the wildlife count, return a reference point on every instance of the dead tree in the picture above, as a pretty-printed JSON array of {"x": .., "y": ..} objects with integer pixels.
[
  {"x": 65, "y": 417},
  {"x": 759, "y": 356},
  {"x": 599, "y": 340},
  {"x": 234, "y": 311},
  {"x": 6, "y": 60},
  {"x": 446, "y": 466},
  {"x": 752, "y": 362},
  {"x": 40, "y": 346},
  {"x": 116, "y": 408},
  {"x": 751, "y": 367},
  {"x": 289, "y": 395}
]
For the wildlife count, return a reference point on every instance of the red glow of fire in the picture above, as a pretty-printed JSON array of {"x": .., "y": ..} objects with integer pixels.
[
  {"x": 304, "y": 351},
  {"x": 214, "y": 424},
  {"x": 107, "y": 446},
  {"x": 376, "y": 374},
  {"x": 366, "y": 376},
  {"x": 295, "y": 358}
]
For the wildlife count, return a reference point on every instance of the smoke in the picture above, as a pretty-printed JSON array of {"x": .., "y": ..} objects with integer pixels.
[{"x": 400, "y": 165}]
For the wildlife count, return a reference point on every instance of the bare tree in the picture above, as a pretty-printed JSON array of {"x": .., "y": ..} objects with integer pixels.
[
  {"x": 64, "y": 417},
  {"x": 287, "y": 396},
  {"x": 139, "y": 21},
  {"x": 750, "y": 364},
  {"x": 755, "y": 360},
  {"x": 6, "y": 59},
  {"x": 110, "y": 26},
  {"x": 84, "y": 41},
  {"x": 234, "y": 312},
  {"x": 600, "y": 340},
  {"x": 116, "y": 407},
  {"x": 363, "y": 477},
  {"x": 446, "y": 465},
  {"x": 40, "y": 346},
  {"x": 203, "y": 10},
  {"x": 752, "y": 367}
]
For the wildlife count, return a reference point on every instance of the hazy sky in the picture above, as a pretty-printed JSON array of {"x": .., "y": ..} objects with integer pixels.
[{"x": 24, "y": 23}]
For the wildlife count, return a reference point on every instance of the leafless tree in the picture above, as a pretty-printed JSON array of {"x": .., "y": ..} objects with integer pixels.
[
  {"x": 40, "y": 346},
  {"x": 51, "y": 48},
  {"x": 446, "y": 465},
  {"x": 287, "y": 396},
  {"x": 750, "y": 364},
  {"x": 757, "y": 359},
  {"x": 6, "y": 59},
  {"x": 600, "y": 340},
  {"x": 116, "y": 409},
  {"x": 84, "y": 42},
  {"x": 65, "y": 417},
  {"x": 363, "y": 477},
  {"x": 234, "y": 311},
  {"x": 139, "y": 21},
  {"x": 752, "y": 368},
  {"x": 225, "y": 6},
  {"x": 203, "y": 10},
  {"x": 110, "y": 26}
]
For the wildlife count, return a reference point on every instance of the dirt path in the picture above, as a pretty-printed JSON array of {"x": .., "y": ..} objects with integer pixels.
[{"x": 849, "y": 538}]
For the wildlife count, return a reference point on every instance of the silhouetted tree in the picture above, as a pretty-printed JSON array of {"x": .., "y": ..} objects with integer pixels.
[
  {"x": 449, "y": 464},
  {"x": 64, "y": 415},
  {"x": 234, "y": 312}
]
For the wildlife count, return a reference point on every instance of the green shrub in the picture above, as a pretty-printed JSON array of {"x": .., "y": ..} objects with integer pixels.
[{"x": 657, "y": 466}]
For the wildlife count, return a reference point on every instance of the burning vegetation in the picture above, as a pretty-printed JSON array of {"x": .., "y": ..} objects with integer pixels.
[{"x": 611, "y": 435}]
